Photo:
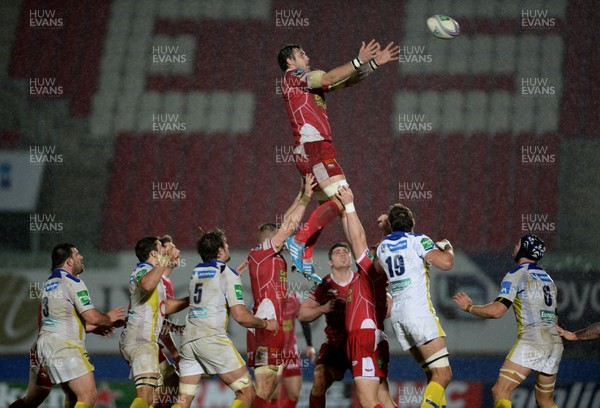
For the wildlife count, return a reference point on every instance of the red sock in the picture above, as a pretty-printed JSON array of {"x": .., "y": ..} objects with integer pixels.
[
  {"x": 310, "y": 247},
  {"x": 273, "y": 403},
  {"x": 288, "y": 403},
  {"x": 18, "y": 404},
  {"x": 260, "y": 403},
  {"x": 316, "y": 402},
  {"x": 378, "y": 406},
  {"x": 320, "y": 217}
]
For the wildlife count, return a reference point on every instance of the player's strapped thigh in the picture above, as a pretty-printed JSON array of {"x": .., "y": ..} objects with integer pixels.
[
  {"x": 331, "y": 189},
  {"x": 438, "y": 359},
  {"x": 512, "y": 375},
  {"x": 188, "y": 389},
  {"x": 244, "y": 381},
  {"x": 153, "y": 380}
]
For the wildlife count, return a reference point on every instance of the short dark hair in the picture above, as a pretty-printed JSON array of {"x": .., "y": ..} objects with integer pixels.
[
  {"x": 284, "y": 53},
  {"x": 209, "y": 244},
  {"x": 61, "y": 253},
  {"x": 401, "y": 218},
  {"x": 144, "y": 246},
  {"x": 165, "y": 239},
  {"x": 267, "y": 227},
  {"x": 338, "y": 245}
]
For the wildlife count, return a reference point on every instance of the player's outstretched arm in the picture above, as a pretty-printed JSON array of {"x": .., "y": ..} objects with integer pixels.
[
  {"x": 356, "y": 232},
  {"x": 591, "y": 332},
  {"x": 338, "y": 74},
  {"x": 176, "y": 305},
  {"x": 246, "y": 319},
  {"x": 294, "y": 214},
  {"x": 112, "y": 318},
  {"x": 494, "y": 310}
]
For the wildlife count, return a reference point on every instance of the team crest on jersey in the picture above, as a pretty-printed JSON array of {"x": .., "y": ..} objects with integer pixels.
[
  {"x": 84, "y": 298},
  {"x": 320, "y": 101},
  {"x": 427, "y": 244},
  {"x": 282, "y": 276}
]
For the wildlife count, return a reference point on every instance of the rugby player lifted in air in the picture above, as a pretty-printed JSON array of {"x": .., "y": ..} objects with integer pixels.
[{"x": 304, "y": 97}]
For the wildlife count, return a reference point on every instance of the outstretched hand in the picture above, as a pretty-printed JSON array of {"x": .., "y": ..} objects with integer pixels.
[
  {"x": 309, "y": 185},
  {"x": 368, "y": 51},
  {"x": 389, "y": 53},
  {"x": 462, "y": 300}
]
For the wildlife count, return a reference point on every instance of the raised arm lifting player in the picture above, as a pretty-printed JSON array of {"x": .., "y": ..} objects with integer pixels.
[
  {"x": 268, "y": 278},
  {"x": 304, "y": 97}
]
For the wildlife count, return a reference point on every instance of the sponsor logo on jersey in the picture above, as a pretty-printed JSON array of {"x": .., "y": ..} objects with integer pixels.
[
  {"x": 140, "y": 274},
  {"x": 505, "y": 288},
  {"x": 427, "y": 244},
  {"x": 50, "y": 286},
  {"x": 400, "y": 285},
  {"x": 399, "y": 246},
  {"x": 239, "y": 294},
  {"x": 548, "y": 315},
  {"x": 544, "y": 277},
  {"x": 370, "y": 255},
  {"x": 84, "y": 298},
  {"x": 198, "y": 312},
  {"x": 349, "y": 296},
  {"x": 205, "y": 273}
]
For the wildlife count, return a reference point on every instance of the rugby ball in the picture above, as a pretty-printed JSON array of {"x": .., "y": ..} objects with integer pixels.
[{"x": 443, "y": 27}]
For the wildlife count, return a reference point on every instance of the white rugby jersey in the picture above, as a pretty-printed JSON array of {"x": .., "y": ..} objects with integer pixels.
[
  {"x": 146, "y": 309},
  {"x": 532, "y": 293},
  {"x": 64, "y": 298},
  {"x": 214, "y": 288},
  {"x": 402, "y": 255}
]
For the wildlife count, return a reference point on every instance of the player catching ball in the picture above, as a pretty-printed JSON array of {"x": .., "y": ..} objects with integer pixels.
[{"x": 304, "y": 97}]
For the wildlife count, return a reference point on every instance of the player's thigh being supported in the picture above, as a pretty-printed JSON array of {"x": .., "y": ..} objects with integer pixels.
[
  {"x": 330, "y": 186},
  {"x": 511, "y": 375},
  {"x": 544, "y": 389}
]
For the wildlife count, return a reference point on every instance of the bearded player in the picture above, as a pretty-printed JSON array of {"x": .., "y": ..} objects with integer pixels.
[{"x": 304, "y": 97}]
